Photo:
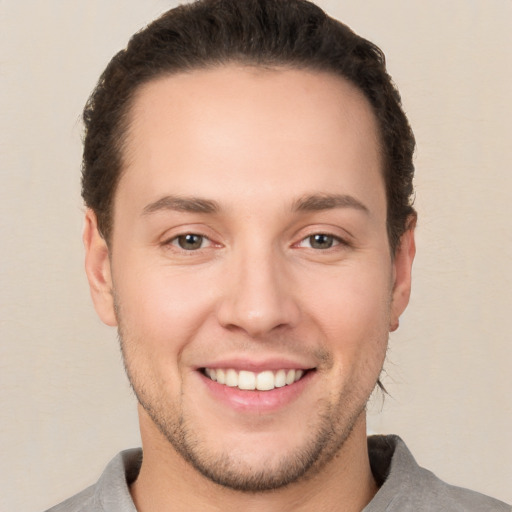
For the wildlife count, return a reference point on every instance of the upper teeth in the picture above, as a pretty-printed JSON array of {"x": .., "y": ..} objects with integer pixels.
[{"x": 263, "y": 381}]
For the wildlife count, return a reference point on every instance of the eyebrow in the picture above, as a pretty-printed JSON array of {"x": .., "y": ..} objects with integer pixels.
[
  {"x": 182, "y": 204},
  {"x": 307, "y": 203},
  {"x": 318, "y": 202}
]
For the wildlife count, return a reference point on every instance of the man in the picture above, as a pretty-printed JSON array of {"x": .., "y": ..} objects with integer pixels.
[{"x": 250, "y": 232}]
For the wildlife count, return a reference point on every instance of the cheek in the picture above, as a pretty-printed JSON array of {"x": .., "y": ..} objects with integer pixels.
[
  {"x": 353, "y": 311},
  {"x": 354, "y": 297},
  {"x": 163, "y": 307}
]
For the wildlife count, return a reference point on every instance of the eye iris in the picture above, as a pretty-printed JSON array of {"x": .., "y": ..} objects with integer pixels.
[
  {"x": 321, "y": 241},
  {"x": 190, "y": 242}
]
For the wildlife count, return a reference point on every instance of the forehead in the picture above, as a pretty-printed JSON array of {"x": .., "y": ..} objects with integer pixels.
[{"x": 251, "y": 129}]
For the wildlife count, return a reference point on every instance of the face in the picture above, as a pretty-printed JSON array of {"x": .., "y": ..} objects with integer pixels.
[{"x": 250, "y": 272}]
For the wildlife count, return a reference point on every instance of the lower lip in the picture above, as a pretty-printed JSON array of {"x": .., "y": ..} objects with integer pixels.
[{"x": 257, "y": 401}]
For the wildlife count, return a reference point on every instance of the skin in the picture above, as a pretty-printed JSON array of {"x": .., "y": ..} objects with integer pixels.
[{"x": 257, "y": 290}]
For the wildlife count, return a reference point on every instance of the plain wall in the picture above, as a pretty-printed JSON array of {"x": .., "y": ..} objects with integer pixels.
[{"x": 66, "y": 407}]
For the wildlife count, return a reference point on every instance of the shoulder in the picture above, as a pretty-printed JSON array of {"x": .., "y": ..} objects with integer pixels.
[
  {"x": 406, "y": 486},
  {"x": 111, "y": 493},
  {"x": 83, "y": 501}
]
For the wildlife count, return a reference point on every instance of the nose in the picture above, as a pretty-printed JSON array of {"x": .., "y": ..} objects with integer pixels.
[{"x": 258, "y": 295}]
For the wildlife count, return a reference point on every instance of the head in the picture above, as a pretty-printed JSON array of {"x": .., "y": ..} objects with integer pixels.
[
  {"x": 264, "y": 33},
  {"x": 248, "y": 169}
]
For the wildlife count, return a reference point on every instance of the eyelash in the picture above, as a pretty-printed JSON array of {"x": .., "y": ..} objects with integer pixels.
[
  {"x": 175, "y": 241},
  {"x": 334, "y": 240}
]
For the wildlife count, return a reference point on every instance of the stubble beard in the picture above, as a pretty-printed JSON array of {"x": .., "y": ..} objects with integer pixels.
[{"x": 333, "y": 426}]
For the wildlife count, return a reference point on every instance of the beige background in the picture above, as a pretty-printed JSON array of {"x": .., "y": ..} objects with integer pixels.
[{"x": 66, "y": 407}]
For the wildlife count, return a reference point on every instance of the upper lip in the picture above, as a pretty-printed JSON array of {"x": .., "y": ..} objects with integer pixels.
[{"x": 253, "y": 365}]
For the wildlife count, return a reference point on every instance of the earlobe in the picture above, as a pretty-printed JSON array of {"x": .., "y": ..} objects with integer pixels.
[
  {"x": 402, "y": 264},
  {"x": 97, "y": 268}
]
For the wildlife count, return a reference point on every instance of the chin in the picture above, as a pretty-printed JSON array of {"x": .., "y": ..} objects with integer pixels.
[{"x": 255, "y": 462}]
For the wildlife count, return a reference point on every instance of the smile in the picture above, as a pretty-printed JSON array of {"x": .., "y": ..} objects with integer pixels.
[{"x": 247, "y": 380}]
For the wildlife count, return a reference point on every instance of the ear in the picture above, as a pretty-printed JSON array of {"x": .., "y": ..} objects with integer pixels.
[
  {"x": 97, "y": 268},
  {"x": 402, "y": 267}
]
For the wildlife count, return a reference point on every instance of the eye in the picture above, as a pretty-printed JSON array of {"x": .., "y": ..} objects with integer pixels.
[
  {"x": 189, "y": 241},
  {"x": 320, "y": 241}
]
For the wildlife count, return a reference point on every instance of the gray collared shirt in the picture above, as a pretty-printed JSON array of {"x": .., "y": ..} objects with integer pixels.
[{"x": 404, "y": 486}]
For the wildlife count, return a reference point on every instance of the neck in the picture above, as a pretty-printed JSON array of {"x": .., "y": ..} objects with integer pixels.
[{"x": 167, "y": 482}]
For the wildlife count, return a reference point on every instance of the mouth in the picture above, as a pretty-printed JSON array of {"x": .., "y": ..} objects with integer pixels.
[{"x": 254, "y": 381}]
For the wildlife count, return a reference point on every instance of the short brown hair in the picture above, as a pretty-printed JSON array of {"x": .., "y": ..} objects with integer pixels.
[{"x": 207, "y": 33}]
